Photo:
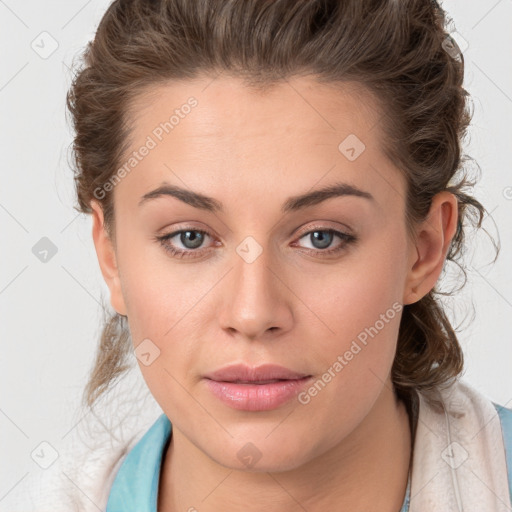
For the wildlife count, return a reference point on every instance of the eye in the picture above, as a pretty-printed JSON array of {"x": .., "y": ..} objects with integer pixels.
[
  {"x": 322, "y": 238},
  {"x": 191, "y": 239}
]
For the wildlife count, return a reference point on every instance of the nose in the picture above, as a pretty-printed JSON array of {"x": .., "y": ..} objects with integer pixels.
[{"x": 257, "y": 301}]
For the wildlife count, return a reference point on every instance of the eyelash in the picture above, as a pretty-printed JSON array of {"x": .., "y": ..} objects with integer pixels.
[{"x": 180, "y": 253}]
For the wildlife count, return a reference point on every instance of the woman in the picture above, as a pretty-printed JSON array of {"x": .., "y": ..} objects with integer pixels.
[{"x": 275, "y": 188}]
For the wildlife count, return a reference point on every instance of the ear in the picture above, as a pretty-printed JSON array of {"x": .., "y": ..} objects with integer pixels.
[
  {"x": 107, "y": 258},
  {"x": 429, "y": 251}
]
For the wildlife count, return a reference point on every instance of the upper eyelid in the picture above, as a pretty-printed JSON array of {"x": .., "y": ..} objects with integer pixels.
[
  {"x": 322, "y": 227},
  {"x": 346, "y": 230}
]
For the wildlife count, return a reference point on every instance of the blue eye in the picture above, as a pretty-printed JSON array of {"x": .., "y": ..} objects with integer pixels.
[
  {"x": 323, "y": 238},
  {"x": 188, "y": 237},
  {"x": 192, "y": 239}
]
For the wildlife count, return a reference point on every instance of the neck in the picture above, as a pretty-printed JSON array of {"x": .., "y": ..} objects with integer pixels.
[{"x": 368, "y": 470}]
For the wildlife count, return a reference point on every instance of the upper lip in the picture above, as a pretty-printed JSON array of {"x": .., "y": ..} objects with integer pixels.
[{"x": 245, "y": 373}]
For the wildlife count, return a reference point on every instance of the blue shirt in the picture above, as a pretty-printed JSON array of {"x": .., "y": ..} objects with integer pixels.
[{"x": 135, "y": 487}]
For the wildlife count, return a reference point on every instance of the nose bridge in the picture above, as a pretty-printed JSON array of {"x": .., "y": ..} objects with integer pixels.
[
  {"x": 256, "y": 300},
  {"x": 253, "y": 267}
]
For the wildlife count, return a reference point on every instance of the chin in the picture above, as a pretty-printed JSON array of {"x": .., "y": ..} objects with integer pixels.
[{"x": 262, "y": 455}]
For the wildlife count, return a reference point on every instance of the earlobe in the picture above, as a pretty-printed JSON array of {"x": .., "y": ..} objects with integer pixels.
[
  {"x": 428, "y": 255},
  {"x": 107, "y": 258}
]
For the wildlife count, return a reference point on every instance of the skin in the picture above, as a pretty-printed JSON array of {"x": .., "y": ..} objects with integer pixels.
[{"x": 349, "y": 447}]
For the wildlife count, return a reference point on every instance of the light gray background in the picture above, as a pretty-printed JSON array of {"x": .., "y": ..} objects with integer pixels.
[{"x": 51, "y": 310}]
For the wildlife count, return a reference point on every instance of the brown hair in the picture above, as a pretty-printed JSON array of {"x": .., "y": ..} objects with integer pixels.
[{"x": 398, "y": 50}]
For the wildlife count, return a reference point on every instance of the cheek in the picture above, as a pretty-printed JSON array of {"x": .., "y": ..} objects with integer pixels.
[
  {"x": 357, "y": 311},
  {"x": 162, "y": 307},
  {"x": 354, "y": 293},
  {"x": 158, "y": 291},
  {"x": 165, "y": 304}
]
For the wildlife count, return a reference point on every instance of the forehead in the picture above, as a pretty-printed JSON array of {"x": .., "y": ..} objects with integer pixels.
[
  {"x": 227, "y": 108},
  {"x": 210, "y": 134}
]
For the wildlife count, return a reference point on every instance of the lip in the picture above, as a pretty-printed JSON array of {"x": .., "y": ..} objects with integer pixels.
[
  {"x": 262, "y": 388},
  {"x": 242, "y": 372}
]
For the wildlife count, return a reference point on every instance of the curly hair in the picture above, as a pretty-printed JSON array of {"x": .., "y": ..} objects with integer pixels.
[{"x": 399, "y": 51}]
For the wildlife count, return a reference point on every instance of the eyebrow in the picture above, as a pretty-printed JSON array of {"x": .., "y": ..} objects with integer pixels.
[{"x": 292, "y": 204}]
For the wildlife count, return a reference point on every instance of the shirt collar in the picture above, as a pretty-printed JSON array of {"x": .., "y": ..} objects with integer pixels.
[{"x": 135, "y": 487}]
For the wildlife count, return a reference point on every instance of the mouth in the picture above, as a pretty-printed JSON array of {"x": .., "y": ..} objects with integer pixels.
[{"x": 255, "y": 389}]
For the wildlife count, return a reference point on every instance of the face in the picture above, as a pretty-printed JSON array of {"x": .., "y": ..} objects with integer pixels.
[{"x": 254, "y": 276}]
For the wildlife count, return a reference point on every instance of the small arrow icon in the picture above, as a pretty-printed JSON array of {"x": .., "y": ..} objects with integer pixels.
[
  {"x": 249, "y": 455},
  {"x": 249, "y": 249},
  {"x": 44, "y": 44},
  {"x": 44, "y": 250},
  {"x": 454, "y": 455},
  {"x": 351, "y": 147},
  {"x": 44, "y": 455},
  {"x": 146, "y": 352}
]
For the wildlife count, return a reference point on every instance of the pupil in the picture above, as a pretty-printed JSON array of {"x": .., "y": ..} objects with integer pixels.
[
  {"x": 323, "y": 237},
  {"x": 196, "y": 238}
]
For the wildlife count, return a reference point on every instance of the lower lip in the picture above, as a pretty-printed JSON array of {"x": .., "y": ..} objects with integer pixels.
[{"x": 256, "y": 397}]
